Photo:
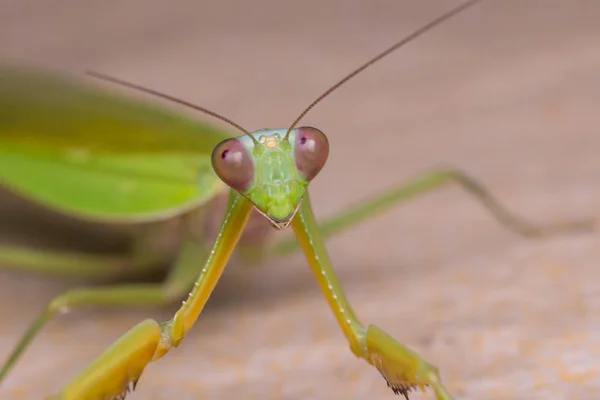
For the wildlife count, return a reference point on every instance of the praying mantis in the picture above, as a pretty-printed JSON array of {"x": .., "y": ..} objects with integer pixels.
[{"x": 267, "y": 173}]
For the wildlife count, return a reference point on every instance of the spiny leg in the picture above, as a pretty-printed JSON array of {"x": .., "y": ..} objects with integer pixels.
[
  {"x": 402, "y": 368},
  {"x": 112, "y": 374},
  {"x": 175, "y": 286},
  {"x": 423, "y": 184}
]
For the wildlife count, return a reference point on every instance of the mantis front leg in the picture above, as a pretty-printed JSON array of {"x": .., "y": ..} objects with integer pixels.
[
  {"x": 402, "y": 368},
  {"x": 119, "y": 368}
]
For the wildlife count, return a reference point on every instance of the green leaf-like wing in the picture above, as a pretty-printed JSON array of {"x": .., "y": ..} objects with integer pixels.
[{"x": 93, "y": 154}]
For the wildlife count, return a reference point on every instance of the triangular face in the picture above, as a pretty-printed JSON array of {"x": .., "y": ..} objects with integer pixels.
[{"x": 272, "y": 170}]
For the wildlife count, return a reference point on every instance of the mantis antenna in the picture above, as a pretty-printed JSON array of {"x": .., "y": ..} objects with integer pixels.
[
  {"x": 397, "y": 45},
  {"x": 130, "y": 85},
  {"x": 409, "y": 38}
]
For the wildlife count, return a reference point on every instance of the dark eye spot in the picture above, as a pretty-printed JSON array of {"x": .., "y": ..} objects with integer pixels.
[
  {"x": 224, "y": 154},
  {"x": 303, "y": 140}
]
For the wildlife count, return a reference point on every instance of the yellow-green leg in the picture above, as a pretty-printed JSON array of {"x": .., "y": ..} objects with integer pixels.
[
  {"x": 116, "y": 371},
  {"x": 80, "y": 265},
  {"x": 176, "y": 285},
  {"x": 402, "y": 368},
  {"x": 141, "y": 259},
  {"x": 426, "y": 183}
]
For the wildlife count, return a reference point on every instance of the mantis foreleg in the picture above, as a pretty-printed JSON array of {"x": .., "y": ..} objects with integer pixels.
[{"x": 402, "y": 368}]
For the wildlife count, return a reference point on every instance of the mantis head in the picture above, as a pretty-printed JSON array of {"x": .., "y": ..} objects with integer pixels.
[{"x": 272, "y": 168}]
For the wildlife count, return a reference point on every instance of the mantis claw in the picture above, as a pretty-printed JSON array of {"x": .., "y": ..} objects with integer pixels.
[
  {"x": 116, "y": 372},
  {"x": 129, "y": 387},
  {"x": 402, "y": 368}
]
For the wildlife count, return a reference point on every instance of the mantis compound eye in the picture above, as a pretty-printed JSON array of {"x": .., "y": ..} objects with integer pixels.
[
  {"x": 310, "y": 151},
  {"x": 233, "y": 164}
]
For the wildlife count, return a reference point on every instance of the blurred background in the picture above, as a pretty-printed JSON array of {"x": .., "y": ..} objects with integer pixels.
[{"x": 509, "y": 92}]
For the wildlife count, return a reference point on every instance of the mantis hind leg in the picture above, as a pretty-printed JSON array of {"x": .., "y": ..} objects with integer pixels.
[
  {"x": 426, "y": 183},
  {"x": 176, "y": 285},
  {"x": 81, "y": 265},
  {"x": 143, "y": 256}
]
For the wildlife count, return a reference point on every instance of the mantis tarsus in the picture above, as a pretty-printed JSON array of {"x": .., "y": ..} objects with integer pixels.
[{"x": 268, "y": 171}]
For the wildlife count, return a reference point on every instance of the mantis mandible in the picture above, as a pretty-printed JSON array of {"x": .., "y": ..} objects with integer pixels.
[{"x": 267, "y": 171}]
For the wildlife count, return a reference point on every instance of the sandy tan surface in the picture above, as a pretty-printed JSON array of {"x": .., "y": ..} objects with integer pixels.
[{"x": 508, "y": 92}]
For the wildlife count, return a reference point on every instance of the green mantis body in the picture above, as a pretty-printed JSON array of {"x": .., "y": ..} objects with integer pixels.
[{"x": 101, "y": 158}]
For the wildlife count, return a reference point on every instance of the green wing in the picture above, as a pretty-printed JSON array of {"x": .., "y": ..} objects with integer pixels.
[{"x": 88, "y": 153}]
